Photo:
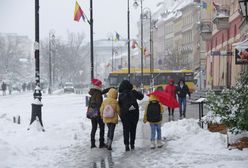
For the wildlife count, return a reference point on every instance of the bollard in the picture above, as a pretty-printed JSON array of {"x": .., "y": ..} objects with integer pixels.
[
  {"x": 87, "y": 98},
  {"x": 14, "y": 119},
  {"x": 19, "y": 120}
]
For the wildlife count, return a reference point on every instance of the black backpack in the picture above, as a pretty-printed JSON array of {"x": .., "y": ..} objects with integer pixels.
[{"x": 154, "y": 112}]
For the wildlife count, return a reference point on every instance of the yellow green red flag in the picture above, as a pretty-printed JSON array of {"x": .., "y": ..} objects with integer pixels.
[{"x": 78, "y": 13}]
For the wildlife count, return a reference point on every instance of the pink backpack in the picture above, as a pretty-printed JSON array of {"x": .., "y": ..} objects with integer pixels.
[{"x": 108, "y": 111}]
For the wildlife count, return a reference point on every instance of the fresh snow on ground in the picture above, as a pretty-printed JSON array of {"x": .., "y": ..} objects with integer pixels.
[{"x": 65, "y": 143}]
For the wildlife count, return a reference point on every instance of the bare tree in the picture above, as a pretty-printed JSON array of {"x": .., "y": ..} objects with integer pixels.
[{"x": 68, "y": 58}]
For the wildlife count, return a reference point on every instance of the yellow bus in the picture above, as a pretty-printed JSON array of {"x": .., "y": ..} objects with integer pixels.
[{"x": 158, "y": 79}]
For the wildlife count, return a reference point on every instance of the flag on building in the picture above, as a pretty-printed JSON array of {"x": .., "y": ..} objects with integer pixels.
[
  {"x": 204, "y": 5},
  {"x": 146, "y": 53},
  {"x": 134, "y": 44},
  {"x": 78, "y": 13},
  {"x": 209, "y": 7}
]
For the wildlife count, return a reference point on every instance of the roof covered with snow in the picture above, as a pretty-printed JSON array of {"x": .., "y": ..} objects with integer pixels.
[{"x": 173, "y": 9}]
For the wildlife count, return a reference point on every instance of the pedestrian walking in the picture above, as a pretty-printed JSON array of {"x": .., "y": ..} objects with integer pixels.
[
  {"x": 109, "y": 112},
  {"x": 153, "y": 115},
  {"x": 182, "y": 91},
  {"x": 171, "y": 90},
  {"x": 129, "y": 112},
  {"x": 95, "y": 103},
  {"x": 4, "y": 87}
]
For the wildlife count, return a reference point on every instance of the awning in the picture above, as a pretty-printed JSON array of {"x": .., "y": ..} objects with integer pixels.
[{"x": 243, "y": 45}]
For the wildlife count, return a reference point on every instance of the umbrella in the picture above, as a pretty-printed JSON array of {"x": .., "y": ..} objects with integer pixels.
[{"x": 165, "y": 98}]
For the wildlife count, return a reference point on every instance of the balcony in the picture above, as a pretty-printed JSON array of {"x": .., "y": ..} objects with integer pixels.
[
  {"x": 206, "y": 30},
  {"x": 221, "y": 17}
]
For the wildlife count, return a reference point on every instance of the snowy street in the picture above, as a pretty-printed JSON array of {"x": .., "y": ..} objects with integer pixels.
[{"x": 66, "y": 140}]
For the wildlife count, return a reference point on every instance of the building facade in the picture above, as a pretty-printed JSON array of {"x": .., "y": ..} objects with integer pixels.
[{"x": 221, "y": 68}]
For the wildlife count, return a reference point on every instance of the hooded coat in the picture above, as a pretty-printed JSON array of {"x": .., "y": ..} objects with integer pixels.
[
  {"x": 112, "y": 101},
  {"x": 171, "y": 89},
  {"x": 126, "y": 94}
]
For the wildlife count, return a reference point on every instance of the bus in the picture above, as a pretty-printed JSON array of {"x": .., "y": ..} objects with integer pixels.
[{"x": 156, "y": 80}]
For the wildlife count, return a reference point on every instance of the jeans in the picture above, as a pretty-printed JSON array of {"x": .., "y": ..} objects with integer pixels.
[
  {"x": 111, "y": 130},
  {"x": 182, "y": 106},
  {"x": 155, "y": 128}
]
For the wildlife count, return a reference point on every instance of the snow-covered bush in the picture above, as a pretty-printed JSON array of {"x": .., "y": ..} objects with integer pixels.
[{"x": 231, "y": 105}]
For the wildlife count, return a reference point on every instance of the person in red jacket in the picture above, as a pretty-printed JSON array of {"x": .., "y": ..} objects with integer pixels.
[{"x": 171, "y": 90}]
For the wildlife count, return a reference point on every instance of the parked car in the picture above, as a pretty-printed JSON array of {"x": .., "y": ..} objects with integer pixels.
[{"x": 69, "y": 88}]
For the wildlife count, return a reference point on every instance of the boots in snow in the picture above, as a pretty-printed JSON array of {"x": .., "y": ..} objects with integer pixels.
[
  {"x": 132, "y": 147},
  {"x": 127, "y": 148},
  {"x": 109, "y": 144},
  {"x": 153, "y": 146},
  {"x": 102, "y": 145},
  {"x": 93, "y": 145},
  {"x": 159, "y": 144}
]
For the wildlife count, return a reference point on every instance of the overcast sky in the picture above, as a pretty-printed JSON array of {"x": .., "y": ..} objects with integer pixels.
[{"x": 17, "y": 16}]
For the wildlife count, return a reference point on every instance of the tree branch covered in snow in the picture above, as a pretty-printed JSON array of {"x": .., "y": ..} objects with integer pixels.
[{"x": 232, "y": 105}]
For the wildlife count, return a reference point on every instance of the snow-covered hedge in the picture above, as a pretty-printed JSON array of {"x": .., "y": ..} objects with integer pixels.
[{"x": 231, "y": 105}]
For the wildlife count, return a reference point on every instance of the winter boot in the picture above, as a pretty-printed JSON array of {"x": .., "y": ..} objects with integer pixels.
[
  {"x": 153, "y": 146},
  {"x": 102, "y": 145},
  {"x": 132, "y": 146},
  {"x": 93, "y": 145},
  {"x": 109, "y": 144},
  {"x": 127, "y": 148},
  {"x": 159, "y": 144}
]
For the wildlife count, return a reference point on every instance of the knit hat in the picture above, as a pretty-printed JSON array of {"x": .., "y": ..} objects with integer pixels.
[{"x": 96, "y": 83}]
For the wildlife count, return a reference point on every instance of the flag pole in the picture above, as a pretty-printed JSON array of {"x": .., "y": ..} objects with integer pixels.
[{"x": 91, "y": 40}]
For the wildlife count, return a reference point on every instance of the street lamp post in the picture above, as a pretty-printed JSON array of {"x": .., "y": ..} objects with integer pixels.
[
  {"x": 36, "y": 105},
  {"x": 128, "y": 40},
  {"x": 141, "y": 36},
  {"x": 151, "y": 43}
]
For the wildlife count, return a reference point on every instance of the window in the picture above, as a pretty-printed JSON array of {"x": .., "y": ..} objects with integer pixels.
[{"x": 235, "y": 30}]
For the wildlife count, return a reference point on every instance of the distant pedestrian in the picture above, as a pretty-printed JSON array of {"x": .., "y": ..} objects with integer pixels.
[
  {"x": 171, "y": 90},
  {"x": 153, "y": 115},
  {"x": 24, "y": 86},
  {"x": 4, "y": 87},
  {"x": 95, "y": 103},
  {"x": 10, "y": 89},
  {"x": 109, "y": 112},
  {"x": 182, "y": 91},
  {"x": 129, "y": 112}
]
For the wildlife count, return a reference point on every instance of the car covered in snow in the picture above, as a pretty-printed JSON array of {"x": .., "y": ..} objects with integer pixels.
[{"x": 69, "y": 87}]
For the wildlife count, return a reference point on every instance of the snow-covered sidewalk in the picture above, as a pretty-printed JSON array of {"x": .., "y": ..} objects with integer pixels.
[{"x": 66, "y": 140}]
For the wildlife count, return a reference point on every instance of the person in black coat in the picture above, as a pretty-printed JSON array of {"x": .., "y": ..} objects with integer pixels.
[
  {"x": 182, "y": 90},
  {"x": 129, "y": 112}
]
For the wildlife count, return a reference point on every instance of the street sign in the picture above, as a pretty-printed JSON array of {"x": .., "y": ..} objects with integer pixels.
[
  {"x": 221, "y": 53},
  {"x": 215, "y": 53}
]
